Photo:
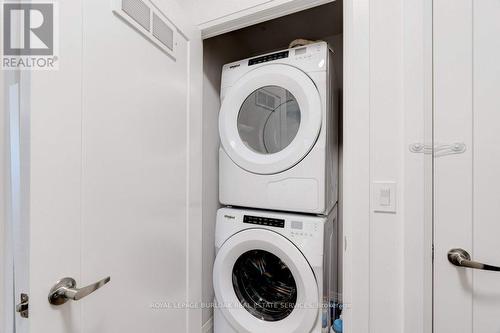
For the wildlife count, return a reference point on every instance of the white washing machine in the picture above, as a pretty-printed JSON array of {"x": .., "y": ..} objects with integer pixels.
[
  {"x": 274, "y": 272},
  {"x": 278, "y": 127}
]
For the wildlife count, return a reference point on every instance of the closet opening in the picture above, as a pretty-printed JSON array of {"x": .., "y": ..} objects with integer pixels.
[{"x": 322, "y": 23}]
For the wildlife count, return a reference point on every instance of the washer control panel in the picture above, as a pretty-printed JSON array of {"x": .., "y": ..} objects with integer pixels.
[
  {"x": 308, "y": 232},
  {"x": 303, "y": 229},
  {"x": 267, "y": 221}
]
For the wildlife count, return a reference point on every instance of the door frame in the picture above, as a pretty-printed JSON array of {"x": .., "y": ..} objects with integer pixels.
[
  {"x": 356, "y": 141},
  {"x": 194, "y": 192},
  {"x": 256, "y": 14},
  {"x": 5, "y": 313},
  {"x": 416, "y": 209},
  {"x": 14, "y": 219},
  {"x": 355, "y": 169}
]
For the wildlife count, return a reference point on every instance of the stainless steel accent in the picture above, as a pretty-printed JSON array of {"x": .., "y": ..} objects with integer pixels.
[
  {"x": 23, "y": 307},
  {"x": 65, "y": 289},
  {"x": 461, "y": 258}
]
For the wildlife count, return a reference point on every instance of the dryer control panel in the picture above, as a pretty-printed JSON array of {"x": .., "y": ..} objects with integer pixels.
[
  {"x": 267, "y": 221},
  {"x": 268, "y": 57},
  {"x": 309, "y": 58}
]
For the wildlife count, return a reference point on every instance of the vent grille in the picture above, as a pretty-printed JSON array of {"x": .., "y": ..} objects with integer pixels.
[
  {"x": 266, "y": 100},
  {"x": 163, "y": 32},
  {"x": 147, "y": 19},
  {"x": 138, "y": 11}
]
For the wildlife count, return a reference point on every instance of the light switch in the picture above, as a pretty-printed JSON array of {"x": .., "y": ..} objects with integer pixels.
[{"x": 384, "y": 197}]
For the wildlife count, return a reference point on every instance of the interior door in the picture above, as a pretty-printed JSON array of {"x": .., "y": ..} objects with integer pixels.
[
  {"x": 112, "y": 144},
  {"x": 467, "y": 177}
]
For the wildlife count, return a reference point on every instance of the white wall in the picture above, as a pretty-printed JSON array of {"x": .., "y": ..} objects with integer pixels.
[
  {"x": 400, "y": 114},
  {"x": 387, "y": 144},
  {"x": 3, "y": 199},
  {"x": 388, "y": 254}
]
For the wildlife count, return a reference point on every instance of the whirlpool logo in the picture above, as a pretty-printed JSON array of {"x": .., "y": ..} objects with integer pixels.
[{"x": 30, "y": 35}]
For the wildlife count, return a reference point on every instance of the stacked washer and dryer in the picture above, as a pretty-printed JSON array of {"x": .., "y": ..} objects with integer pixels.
[{"x": 276, "y": 241}]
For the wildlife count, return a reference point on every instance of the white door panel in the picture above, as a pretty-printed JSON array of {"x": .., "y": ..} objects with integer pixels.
[
  {"x": 453, "y": 178},
  {"x": 134, "y": 176},
  {"x": 467, "y": 186},
  {"x": 55, "y": 178},
  {"x": 110, "y": 167}
]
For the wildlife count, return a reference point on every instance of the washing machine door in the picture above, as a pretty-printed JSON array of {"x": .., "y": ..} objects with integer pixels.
[
  {"x": 263, "y": 283},
  {"x": 270, "y": 119}
]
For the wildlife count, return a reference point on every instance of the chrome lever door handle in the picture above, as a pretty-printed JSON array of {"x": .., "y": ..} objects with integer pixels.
[
  {"x": 65, "y": 290},
  {"x": 461, "y": 258}
]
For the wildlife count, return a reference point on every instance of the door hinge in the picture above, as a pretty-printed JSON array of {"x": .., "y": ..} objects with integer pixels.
[{"x": 23, "y": 307}]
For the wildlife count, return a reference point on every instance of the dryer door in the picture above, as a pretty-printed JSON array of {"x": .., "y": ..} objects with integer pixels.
[
  {"x": 270, "y": 119},
  {"x": 263, "y": 283}
]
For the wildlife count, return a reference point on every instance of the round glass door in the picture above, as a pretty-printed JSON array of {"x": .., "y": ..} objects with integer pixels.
[
  {"x": 264, "y": 285},
  {"x": 269, "y": 119}
]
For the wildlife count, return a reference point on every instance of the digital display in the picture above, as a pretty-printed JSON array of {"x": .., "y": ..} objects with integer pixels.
[
  {"x": 269, "y": 57},
  {"x": 301, "y": 51},
  {"x": 279, "y": 223},
  {"x": 297, "y": 225}
]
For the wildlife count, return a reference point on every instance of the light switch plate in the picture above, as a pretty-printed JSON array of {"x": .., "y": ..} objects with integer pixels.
[{"x": 384, "y": 196}]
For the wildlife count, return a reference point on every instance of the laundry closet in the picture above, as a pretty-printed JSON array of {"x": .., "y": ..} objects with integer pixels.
[
  {"x": 113, "y": 164},
  {"x": 267, "y": 43}
]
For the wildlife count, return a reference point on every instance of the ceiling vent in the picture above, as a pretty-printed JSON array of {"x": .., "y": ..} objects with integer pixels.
[{"x": 147, "y": 19}]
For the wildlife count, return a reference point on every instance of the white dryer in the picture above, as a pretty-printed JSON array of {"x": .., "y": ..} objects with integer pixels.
[
  {"x": 274, "y": 272},
  {"x": 278, "y": 127}
]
